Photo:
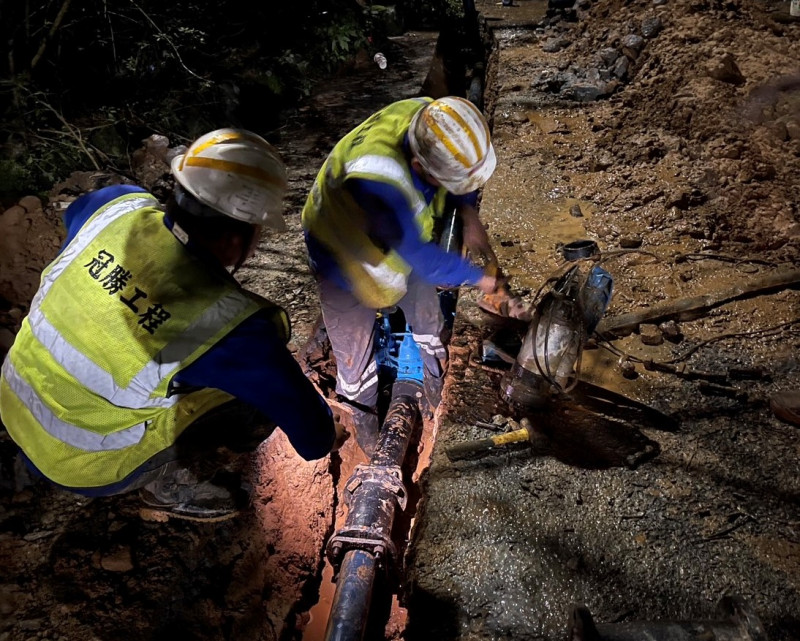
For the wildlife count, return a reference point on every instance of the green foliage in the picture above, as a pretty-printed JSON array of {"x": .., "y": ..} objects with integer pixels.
[
  {"x": 338, "y": 42},
  {"x": 101, "y": 72},
  {"x": 15, "y": 178}
]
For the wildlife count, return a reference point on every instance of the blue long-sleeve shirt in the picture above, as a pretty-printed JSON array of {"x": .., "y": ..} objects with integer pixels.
[
  {"x": 393, "y": 225},
  {"x": 251, "y": 363}
]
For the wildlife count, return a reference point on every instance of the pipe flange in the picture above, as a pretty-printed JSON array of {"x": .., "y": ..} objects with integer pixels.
[
  {"x": 368, "y": 540},
  {"x": 386, "y": 477}
]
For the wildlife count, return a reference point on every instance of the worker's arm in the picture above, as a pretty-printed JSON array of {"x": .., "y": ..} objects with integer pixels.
[
  {"x": 253, "y": 364},
  {"x": 393, "y": 226}
]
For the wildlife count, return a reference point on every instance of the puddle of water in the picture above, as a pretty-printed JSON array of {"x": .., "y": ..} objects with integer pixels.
[{"x": 319, "y": 614}]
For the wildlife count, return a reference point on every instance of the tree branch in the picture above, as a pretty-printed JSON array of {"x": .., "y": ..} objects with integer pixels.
[{"x": 56, "y": 24}]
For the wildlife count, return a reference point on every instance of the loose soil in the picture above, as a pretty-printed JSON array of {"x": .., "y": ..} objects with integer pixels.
[{"x": 687, "y": 185}]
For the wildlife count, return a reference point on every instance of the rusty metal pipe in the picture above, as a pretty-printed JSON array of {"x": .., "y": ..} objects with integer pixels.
[
  {"x": 350, "y": 608},
  {"x": 373, "y": 493}
]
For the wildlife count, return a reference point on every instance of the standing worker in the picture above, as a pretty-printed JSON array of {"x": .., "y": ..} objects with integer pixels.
[
  {"x": 142, "y": 361},
  {"x": 368, "y": 225}
]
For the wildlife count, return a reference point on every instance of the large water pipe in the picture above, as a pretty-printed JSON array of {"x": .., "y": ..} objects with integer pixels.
[{"x": 363, "y": 546}]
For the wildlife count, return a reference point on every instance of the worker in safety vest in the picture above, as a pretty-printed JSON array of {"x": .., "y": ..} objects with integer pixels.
[
  {"x": 369, "y": 222},
  {"x": 142, "y": 360}
]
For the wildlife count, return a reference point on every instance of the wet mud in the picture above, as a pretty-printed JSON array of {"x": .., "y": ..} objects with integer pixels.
[{"x": 655, "y": 516}]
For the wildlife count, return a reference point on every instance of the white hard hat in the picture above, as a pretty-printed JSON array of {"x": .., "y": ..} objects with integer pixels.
[
  {"x": 450, "y": 138},
  {"x": 236, "y": 173}
]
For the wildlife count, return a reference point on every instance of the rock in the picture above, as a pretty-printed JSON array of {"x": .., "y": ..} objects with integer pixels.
[
  {"x": 671, "y": 331},
  {"x": 725, "y": 69},
  {"x": 549, "y": 80},
  {"x": 31, "y": 625},
  {"x": 585, "y": 91},
  {"x": 118, "y": 561},
  {"x": 175, "y": 151},
  {"x": 600, "y": 163},
  {"x": 684, "y": 198},
  {"x": 609, "y": 56},
  {"x": 628, "y": 369},
  {"x": 632, "y": 45},
  {"x": 651, "y": 27},
  {"x": 575, "y": 211},
  {"x": 12, "y": 216},
  {"x": 650, "y": 335},
  {"x": 555, "y": 44},
  {"x": 621, "y": 67},
  {"x": 30, "y": 203},
  {"x": 629, "y": 242},
  {"x": 793, "y": 129}
]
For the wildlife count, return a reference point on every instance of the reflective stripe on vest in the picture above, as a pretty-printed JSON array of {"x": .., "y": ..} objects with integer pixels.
[
  {"x": 138, "y": 394},
  {"x": 393, "y": 173},
  {"x": 66, "y": 432}
]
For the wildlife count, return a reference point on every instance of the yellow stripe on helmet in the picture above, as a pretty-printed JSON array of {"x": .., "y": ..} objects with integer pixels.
[
  {"x": 214, "y": 140},
  {"x": 445, "y": 139},
  {"x": 465, "y": 126},
  {"x": 227, "y": 137},
  {"x": 235, "y": 168}
]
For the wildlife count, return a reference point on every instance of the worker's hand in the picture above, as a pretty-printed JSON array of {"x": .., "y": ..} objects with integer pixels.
[
  {"x": 476, "y": 240},
  {"x": 487, "y": 284},
  {"x": 341, "y": 435}
]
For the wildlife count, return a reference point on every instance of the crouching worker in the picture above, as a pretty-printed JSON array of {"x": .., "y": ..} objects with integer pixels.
[{"x": 142, "y": 364}]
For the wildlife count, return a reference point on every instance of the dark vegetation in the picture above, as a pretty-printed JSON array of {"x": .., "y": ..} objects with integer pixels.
[{"x": 84, "y": 81}]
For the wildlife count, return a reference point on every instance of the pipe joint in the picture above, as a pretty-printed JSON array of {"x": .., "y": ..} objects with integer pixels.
[
  {"x": 370, "y": 540},
  {"x": 376, "y": 480}
]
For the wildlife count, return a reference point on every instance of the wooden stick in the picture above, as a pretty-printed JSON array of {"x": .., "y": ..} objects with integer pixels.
[
  {"x": 56, "y": 24},
  {"x": 694, "y": 306}
]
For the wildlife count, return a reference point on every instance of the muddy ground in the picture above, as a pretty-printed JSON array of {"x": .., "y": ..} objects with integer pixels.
[
  {"x": 686, "y": 194},
  {"x": 638, "y": 517}
]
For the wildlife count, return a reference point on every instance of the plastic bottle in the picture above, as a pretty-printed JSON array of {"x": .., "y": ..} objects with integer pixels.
[{"x": 380, "y": 60}]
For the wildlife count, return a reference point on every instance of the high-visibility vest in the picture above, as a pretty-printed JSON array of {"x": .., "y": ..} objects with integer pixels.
[
  {"x": 85, "y": 389},
  {"x": 373, "y": 151}
]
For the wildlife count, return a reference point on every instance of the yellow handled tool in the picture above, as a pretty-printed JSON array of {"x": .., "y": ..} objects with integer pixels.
[{"x": 471, "y": 449}]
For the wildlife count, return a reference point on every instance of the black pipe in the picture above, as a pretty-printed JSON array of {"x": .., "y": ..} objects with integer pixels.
[
  {"x": 350, "y": 607},
  {"x": 373, "y": 493}
]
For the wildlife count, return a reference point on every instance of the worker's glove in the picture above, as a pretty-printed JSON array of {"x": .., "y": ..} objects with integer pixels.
[{"x": 487, "y": 284}]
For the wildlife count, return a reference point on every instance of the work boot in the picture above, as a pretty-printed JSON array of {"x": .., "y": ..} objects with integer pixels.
[{"x": 180, "y": 495}]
